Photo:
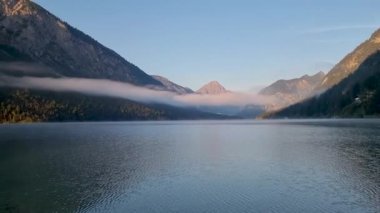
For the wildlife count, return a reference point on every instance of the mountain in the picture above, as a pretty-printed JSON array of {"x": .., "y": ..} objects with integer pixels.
[
  {"x": 288, "y": 92},
  {"x": 351, "y": 62},
  {"x": 170, "y": 86},
  {"x": 34, "y": 42},
  {"x": 302, "y": 85},
  {"x": 29, "y": 34},
  {"x": 212, "y": 88},
  {"x": 358, "y": 95},
  {"x": 351, "y": 87}
]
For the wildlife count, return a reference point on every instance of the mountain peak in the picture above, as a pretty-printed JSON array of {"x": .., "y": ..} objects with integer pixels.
[
  {"x": 317, "y": 75},
  {"x": 320, "y": 73},
  {"x": 212, "y": 88},
  {"x": 375, "y": 37},
  {"x": 15, "y": 7}
]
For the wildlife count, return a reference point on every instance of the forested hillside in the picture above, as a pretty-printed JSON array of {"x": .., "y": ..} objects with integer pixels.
[{"x": 41, "y": 106}]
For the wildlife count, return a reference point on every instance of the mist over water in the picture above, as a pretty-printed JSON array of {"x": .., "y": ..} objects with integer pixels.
[
  {"x": 102, "y": 87},
  {"x": 197, "y": 166}
]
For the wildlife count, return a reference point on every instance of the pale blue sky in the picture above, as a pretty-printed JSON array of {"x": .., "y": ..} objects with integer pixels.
[{"x": 241, "y": 43}]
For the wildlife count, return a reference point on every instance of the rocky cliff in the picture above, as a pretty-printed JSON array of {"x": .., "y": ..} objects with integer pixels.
[{"x": 32, "y": 33}]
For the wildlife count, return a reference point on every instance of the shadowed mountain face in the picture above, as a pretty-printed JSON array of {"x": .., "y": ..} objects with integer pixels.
[
  {"x": 212, "y": 88},
  {"x": 287, "y": 92},
  {"x": 173, "y": 87},
  {"x": 351, "y": 62},
  {"x": 29, "y": 33}
]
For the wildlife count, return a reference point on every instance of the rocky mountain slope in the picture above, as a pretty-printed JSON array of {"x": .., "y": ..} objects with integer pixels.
[
  {"x": 170, "y": 86},
  {"x": 351, "y": 87},
  {"x": 212, "y": 88},
  {"x": 29, "y": 33},
  {"x": 358, "y": 95},
  {"x": 351, "y": 62},
  {"x": 288, "y": 92}
]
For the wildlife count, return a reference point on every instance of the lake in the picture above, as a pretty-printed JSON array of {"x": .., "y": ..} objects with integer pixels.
[{"x": 191, "y": 166}]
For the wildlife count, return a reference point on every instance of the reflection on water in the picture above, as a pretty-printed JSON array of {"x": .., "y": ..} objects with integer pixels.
[{"x": 194, "y": 166}]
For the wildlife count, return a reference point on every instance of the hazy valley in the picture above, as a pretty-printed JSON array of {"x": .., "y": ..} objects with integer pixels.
[
  {"x": 189, "y": 106},
  {"x": 45, "y": 58}
]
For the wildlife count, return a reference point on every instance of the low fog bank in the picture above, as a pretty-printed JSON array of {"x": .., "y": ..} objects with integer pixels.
[{"x": 101, "y": 87}]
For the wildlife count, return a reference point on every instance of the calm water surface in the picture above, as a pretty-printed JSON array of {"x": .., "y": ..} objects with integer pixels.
[{"x": 191, "y": 166}]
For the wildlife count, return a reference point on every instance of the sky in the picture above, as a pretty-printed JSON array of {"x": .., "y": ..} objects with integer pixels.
[{"x": 243, "y": 44}]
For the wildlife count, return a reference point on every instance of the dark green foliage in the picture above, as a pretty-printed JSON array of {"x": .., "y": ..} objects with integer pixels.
[
  {"x": 356, "y": 96},
  {"x": 8, "y": 53},
  {"x": 26, "y": 106},
  {"x": 43, "y": 106}
]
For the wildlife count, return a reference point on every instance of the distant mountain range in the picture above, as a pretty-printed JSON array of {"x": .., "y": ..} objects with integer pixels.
[
  {"x": 215, "y": 89},
  {"x": 350, "y": 89},
  {"x": 288, "y": 92},
  {"x": 34, "y": 42}
]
